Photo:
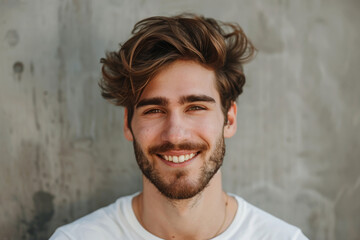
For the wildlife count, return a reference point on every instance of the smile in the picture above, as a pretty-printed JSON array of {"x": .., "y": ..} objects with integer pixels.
[{"x": 178, "y": 158}]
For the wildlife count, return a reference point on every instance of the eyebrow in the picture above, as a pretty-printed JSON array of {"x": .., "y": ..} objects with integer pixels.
[
  {"x": 196, "y": 98},
  {"x": 153, "y": 101},
  {"x": 161, "y": 101}
]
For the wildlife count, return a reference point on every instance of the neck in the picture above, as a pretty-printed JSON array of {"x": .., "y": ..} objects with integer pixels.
[{"x": 201, "y": 217}]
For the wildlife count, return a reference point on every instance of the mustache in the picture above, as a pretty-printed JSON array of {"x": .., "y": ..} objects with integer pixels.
[{"x": 167, "y": 146}]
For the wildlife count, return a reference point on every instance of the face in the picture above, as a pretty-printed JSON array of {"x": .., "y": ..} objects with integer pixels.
[{"x": 178, "y": 129}]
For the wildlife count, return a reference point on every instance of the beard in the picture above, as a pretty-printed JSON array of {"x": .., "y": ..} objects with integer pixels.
[{"x": 179, "y": 185}]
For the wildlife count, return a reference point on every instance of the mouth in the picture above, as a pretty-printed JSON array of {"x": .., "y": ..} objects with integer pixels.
[{"x": 178, "y": 158}]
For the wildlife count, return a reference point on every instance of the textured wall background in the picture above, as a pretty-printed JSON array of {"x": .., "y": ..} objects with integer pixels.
[{"x": 297, "y": 150}]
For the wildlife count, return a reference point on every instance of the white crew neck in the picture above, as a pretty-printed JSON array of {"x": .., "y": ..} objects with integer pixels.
[{"x": 130, "y": 215}]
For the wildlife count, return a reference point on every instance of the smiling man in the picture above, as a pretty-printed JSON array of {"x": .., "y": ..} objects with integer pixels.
[{"x": 178, "y": 79}]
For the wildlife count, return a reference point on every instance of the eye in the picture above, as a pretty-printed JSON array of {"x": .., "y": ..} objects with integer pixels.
[
  {"x": 196, "y": 108},
  {"x": 153, "y": 111}
]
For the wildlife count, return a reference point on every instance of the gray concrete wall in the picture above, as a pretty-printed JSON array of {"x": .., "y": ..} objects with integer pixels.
[{"x": 297, "y": 150}]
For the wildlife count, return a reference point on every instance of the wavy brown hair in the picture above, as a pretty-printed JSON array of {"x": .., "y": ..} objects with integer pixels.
[{"x": 159, "y": 41}]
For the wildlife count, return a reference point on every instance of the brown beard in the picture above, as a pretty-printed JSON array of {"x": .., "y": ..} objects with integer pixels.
[{"x": 180, "y": 187}]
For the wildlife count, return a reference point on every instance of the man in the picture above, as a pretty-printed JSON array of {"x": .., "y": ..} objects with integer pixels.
[{"x": 178, "y": 79}]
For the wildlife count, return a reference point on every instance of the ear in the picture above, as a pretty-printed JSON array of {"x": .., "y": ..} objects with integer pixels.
[
  {"x": 230, "y": 127},
  {"x": 127, "y": 130}
]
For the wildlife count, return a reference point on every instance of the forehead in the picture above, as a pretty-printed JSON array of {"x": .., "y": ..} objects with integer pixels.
[{"x": 182, "y": 78}]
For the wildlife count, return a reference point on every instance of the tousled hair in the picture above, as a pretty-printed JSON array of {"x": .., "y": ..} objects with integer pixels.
[{"x": 159, "y": 41}]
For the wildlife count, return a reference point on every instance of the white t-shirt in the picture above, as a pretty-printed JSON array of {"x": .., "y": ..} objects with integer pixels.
[{"x": 118, "y": 221}]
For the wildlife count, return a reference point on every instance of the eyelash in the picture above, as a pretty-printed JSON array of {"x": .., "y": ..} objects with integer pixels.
[
  {"x": 191, "y": 108},
  {"x": 196, "y": 108},
  {"x": 153, "y": 111}
]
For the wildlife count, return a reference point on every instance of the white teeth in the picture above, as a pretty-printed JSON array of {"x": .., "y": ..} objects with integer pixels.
[{"x": 178, "y": 159}]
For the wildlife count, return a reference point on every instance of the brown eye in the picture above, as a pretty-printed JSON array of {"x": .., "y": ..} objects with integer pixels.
[
  {"x": 153, "y": 111},
  {"x": 196, "y": 108}
]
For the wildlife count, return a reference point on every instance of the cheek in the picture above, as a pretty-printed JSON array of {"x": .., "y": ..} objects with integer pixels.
[
  {"x": 209, "y": 127},
  {"x": 145, "y": 135}
]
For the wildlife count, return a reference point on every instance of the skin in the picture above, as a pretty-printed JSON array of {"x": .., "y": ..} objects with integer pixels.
[{"x": 195, "y": 121}]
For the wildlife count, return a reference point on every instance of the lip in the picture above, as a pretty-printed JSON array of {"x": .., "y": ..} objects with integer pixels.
[{"x": 178, "y": 153}]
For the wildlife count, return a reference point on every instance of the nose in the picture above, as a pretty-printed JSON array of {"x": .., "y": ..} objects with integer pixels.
[{"x": 176, "y": 129}]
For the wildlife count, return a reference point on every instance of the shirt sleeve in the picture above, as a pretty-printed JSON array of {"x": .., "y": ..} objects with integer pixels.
[
  {"x": 60, "y": 235},
  {"x": 300, "y": 236}
]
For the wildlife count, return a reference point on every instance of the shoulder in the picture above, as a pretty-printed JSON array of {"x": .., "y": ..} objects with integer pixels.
[
  {"x": 253, "y": 223},
  {"x": 105, "y": 223}
]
